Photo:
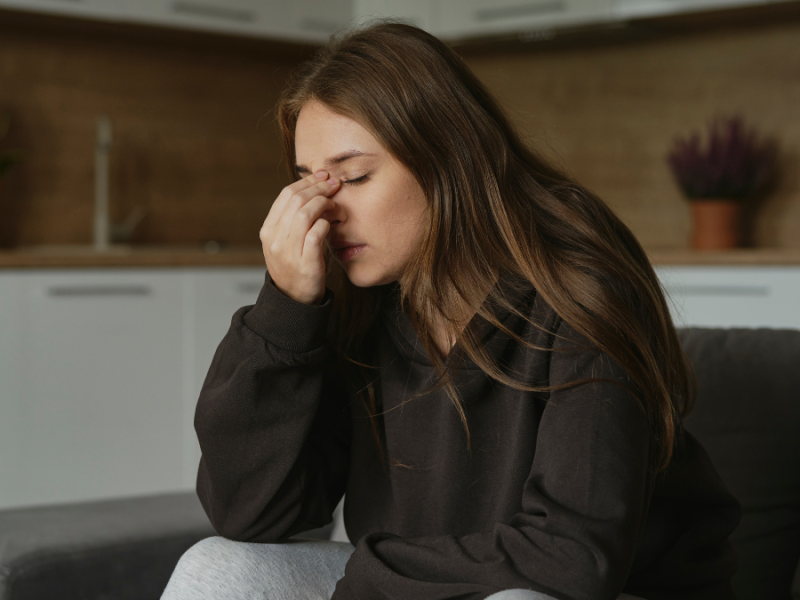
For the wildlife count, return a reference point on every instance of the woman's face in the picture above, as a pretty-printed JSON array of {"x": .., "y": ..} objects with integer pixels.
[{"x": 380, "y": 212}]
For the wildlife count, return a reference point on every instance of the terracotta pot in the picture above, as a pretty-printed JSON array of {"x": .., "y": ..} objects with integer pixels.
[{"x": 716, "y": 224}]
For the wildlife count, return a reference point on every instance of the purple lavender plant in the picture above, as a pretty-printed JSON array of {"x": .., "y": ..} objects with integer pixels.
[{"x": 736, "y": 165}]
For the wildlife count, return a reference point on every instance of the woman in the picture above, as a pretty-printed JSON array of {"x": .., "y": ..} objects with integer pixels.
[{"x": 466, "y": 342}]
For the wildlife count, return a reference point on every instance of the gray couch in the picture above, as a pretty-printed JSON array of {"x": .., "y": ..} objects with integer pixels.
[
  {"x": 113, "y": 549},
  {"x": 747, "y": 416}
]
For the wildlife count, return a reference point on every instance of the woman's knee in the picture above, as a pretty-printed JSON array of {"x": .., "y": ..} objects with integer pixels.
[
  {"x": 220, "y": 568},
  {"x": 207, "y": 556},
  {"x": 519, "y": 594},
  {"x": 204, "y": 555},
  {"x": 203, "y": 571}
]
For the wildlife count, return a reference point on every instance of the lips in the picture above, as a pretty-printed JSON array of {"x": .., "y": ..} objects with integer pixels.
[{"x": 344, "y": 250}]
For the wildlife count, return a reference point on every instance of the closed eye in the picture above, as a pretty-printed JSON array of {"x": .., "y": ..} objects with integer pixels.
[{"x": 357, "y": 180}]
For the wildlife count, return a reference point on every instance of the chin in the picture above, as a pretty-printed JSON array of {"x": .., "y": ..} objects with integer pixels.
[{"x": 363, "y": 277}]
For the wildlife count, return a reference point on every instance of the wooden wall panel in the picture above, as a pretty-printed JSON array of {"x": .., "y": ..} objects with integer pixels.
[
  {"x": 608, "y": 115},
  {"x": 195, "y": 144}
]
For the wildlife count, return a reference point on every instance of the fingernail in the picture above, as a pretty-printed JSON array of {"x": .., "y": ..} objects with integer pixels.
[
  {"x": 321, "y": 174},
  {"x": 333, "y": 181}
]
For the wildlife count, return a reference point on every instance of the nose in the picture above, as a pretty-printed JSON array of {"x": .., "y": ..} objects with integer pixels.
[{"x": 337, "y": 214}]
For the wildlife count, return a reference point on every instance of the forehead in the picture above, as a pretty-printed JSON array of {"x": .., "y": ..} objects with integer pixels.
[{"x": 321, "y": 133}]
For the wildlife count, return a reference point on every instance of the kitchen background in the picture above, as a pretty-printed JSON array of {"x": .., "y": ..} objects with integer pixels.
[
  {"x": 195, "y": 144},
  {"x": 102, "y": 354}
]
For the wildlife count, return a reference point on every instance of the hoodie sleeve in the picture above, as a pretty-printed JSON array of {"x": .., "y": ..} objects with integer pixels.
[
  {"x": 583, "y": 505},
  {"x": 272, "y": 422}
]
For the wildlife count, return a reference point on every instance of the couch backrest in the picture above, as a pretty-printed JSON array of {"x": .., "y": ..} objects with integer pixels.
[{"x": 747, "y": 416}]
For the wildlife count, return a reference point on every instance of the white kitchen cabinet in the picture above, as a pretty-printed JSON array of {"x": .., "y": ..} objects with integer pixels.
[
  {"x": 300, "y": 20},
  {"x": 110, "y": 10},
  {"x": 628, "y": 9},
  {"x": 466, "y": 18},
  {"x": 11, "y": 407},
  {"x": 100, "y": 371},
  {"x": 134, "y": 11},
  {"x": 94, "y": 403},
  {"x": 211, "y": 298},
  {"x": 314, "y": 20},
  {"x": 711, "y": 296},
  {"x": 230, "y": 16},
  {"x": 422, "y": 13}
]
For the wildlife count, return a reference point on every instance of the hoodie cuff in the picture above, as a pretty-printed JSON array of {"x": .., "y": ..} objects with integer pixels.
[{"x": 287, "y": 323}]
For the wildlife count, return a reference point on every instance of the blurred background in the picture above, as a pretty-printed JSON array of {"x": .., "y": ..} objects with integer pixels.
[{"x": 139, "y": 157}]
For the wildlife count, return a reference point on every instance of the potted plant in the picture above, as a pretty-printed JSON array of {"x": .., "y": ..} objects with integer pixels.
[{"x": 734, "y": 168}]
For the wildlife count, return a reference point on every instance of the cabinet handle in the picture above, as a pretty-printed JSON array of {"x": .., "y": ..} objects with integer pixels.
[
  {"x": 719, "y": 290},
  {"x": 197, "y": 9},
  {"x": 86, "y": 291},
  {"x": 522, "y": 10}
]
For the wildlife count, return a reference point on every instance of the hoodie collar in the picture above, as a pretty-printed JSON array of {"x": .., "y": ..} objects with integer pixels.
[{"x": 516, "y": 289}]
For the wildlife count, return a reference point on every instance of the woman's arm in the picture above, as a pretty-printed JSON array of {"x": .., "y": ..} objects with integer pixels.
[
  {"x": 272, "y": 423},
  {"x": 583, "y": 506}
]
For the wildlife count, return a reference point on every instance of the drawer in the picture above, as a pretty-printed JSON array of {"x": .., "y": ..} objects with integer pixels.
[{"x": 733, "y": 296}]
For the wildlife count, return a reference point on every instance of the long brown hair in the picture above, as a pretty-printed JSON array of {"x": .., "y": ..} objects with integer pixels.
[{"x": 481, "y": 182}]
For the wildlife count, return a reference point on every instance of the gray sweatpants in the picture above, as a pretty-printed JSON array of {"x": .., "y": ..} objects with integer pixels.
[{"x": 220, "y": 569}]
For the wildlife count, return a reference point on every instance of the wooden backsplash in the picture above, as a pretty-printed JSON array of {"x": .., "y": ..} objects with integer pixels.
[
  {"x": 608, "y": 115},
  {"x": 195, "y": 143},
  {"x": 194, "y": 140}
]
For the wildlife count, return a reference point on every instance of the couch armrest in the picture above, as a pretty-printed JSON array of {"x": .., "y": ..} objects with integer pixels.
[{"x": 122, "y": 549}]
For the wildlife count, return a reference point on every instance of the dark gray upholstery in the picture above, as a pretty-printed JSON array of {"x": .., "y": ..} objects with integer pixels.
[
  {"x": 747, "y": 416},
  {"x": 120, "y": 549},
  {"x": 796, "y": 583}
]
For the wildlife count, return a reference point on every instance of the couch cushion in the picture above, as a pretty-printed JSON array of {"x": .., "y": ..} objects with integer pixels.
[
  {"x": 747, "y": 416},
  {"x": 123, "y": 549}
]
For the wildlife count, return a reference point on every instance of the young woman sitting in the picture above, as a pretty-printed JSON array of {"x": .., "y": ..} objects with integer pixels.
[{"x": 467, "y": 344}]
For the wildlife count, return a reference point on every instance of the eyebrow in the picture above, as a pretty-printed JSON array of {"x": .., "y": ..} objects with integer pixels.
[{"x": 336, "y": 160}]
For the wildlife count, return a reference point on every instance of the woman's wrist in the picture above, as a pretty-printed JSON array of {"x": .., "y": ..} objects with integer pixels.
[{"x": 287, "y": 323}]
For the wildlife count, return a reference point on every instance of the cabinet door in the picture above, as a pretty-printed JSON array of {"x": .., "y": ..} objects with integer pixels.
[
  {"x": 422, "y": 13},
  {"x": 490, "y": 17},
  {"x": 90, "y": 9},
  {"x": 629, "y": 9},
  {"x": 300, "y": 20},
  {"x": 733, "y": 296},
  {"x": 97, "y": 403},
  {"x": 213, "y": 295},
  {"x": 316, "y": 20},
  {"x": 11, "y": 406},
  {"x": 227, "y": 16}
]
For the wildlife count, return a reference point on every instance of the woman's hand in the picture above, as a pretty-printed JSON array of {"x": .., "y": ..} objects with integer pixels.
[{"x": 293, "y": 235}]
